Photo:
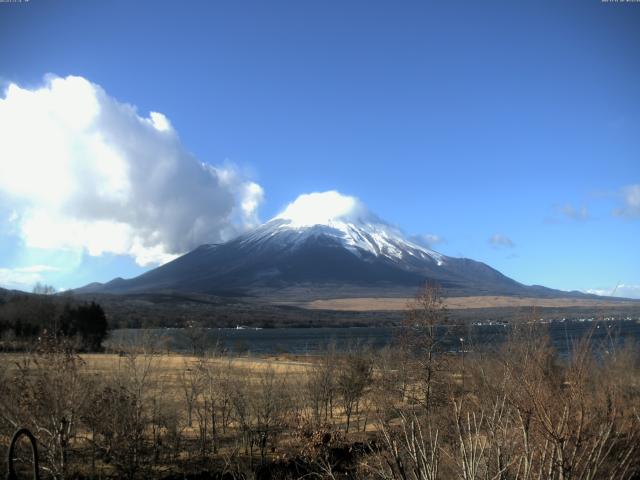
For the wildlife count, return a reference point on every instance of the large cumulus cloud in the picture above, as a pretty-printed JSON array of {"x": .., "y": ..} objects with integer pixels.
[{"x": 81, "y": 170}]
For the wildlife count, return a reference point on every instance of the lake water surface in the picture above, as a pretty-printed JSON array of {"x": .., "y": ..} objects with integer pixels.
[{"x": 313, "y": 340}]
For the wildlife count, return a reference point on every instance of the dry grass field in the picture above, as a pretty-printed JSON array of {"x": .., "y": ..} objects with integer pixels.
[
  {"x": 166, "y": 370},
  {"x": 170, "y": 365},
  {"x": 455, "y": 303}
]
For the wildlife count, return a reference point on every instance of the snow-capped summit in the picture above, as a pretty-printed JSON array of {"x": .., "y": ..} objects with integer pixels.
[{"x": 344, "y": 219}]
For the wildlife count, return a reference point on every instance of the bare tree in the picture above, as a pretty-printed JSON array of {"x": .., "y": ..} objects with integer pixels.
[
  {"x": 321, "y": 386},
  {"x": 191, "y": 386},
  {"x": 43, "y": 289},
  {"x": 224, "y": 389},
  {"x": 422, "y": 335},
  {"x": 353, "y": 378},
  {"x": 270, "y": 406},
  {"x": 240, "y": 400},
  {"x": 212, "y": 396},
  {"x": 196, "y": 337}
]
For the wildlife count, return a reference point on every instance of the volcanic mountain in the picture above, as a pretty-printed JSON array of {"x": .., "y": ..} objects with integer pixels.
[{"x": 324, "y": 245}]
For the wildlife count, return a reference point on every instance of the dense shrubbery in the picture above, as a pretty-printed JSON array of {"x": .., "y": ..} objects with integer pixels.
[{"x": 87, "y": 322}]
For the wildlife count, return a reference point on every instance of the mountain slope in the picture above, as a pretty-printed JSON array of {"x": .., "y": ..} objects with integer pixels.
[{"x": 328, "y": 249}]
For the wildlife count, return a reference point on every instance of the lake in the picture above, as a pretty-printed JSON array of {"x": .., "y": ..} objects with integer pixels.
[{"x": 310, "y": 341}]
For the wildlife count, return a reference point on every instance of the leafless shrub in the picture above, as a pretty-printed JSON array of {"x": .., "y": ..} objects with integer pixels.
[
  {"x": 411, "y": 450},
  {"x": 553, "y": 418},
  {"x": 45, "y": 393},
  {"x": 123, "y": 415}
]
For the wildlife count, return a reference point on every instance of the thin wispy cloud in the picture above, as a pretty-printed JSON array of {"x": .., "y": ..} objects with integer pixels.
[
  {"x": 630, "y": 196},
  {"x": 498, "y": 240},
  {"x": 428, "y": 240},
  {"x": 572, "y": 213},
  {"x": 82, "y": 170},
  {"x": 569, "y": 213}
]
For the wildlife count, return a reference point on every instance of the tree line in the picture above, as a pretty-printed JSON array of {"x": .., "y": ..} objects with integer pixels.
[{"x": 28, "y": 318}]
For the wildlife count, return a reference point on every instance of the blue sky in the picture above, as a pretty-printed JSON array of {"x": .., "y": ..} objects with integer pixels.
[{"x": 507, "y": 131}]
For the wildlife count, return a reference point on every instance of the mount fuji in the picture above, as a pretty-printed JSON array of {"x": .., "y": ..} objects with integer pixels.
[{"x": 323, "y": 245}]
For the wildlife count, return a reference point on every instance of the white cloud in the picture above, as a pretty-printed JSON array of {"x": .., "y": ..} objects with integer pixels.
[
  {"x": 428, "y": 240},
  {"x": 622, "y": 290},
  {"x": 80, "y": 170},
  {"x": 631, "y": 197},
  {"x": 569, "y": 212},
  {"x": 323, "y": 208},
  {"x": 23, "y": 278},
  {"x": 498, "y": 240},
  {"x": 159, "y": 121},
  {"x": 37, "y": 269},
  {"x": 578, "y": 214}
]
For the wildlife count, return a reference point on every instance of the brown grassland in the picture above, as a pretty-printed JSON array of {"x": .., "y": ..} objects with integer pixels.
[{"x": 455, "y": 303}]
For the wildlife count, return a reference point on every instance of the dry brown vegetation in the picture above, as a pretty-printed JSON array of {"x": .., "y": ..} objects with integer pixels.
[
  {"x": 406, "y": 412},
  {"x": 455, "y": 303}
]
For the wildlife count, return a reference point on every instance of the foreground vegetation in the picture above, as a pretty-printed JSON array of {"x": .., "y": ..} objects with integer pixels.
[{"x": 406, "y": 412}]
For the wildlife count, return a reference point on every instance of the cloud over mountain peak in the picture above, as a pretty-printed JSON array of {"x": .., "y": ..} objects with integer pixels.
[
  {"x": 82, "y": 170},
  {"x": 323, "y": 208}
]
